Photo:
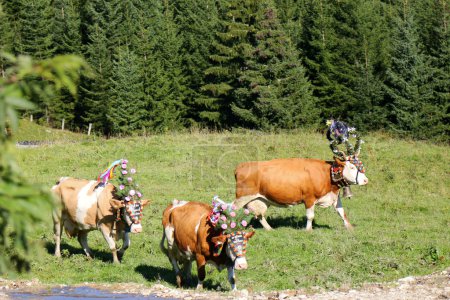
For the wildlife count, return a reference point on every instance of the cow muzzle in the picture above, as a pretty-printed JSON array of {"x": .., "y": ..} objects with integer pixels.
[
  {"x": 361, "y": 179},
  {"x": 240, "y": 263},
  {"x": 136, "y": 228}
]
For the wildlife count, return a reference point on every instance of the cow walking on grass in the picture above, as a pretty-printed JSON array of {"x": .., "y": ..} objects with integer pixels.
[
  {"x": 86, "y": 205},
  {"x": 287, "y": 182},
  {"x": 191, "y": 236}
]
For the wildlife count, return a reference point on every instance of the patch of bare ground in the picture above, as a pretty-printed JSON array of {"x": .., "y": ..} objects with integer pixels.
[{"x": 433, "y": 286}]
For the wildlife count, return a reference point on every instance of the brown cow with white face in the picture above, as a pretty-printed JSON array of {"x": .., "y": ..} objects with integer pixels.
[
  {"x": 86, "y": 205},
  {"x": 190, "y": 236},
  {"x": 287, "y": 182}
]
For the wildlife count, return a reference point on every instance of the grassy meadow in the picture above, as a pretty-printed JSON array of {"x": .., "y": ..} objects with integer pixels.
[{"x": 401, "y": 218}]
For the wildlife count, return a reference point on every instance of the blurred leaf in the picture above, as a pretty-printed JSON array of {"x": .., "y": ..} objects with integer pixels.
[{"x": 21, "y": 204}]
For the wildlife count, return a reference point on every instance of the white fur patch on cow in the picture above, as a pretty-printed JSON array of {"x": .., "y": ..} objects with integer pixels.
[
  {"x": 59, "y": 182},
  {"x": 168, "y": 231},
  {"x": 327, "y": 200},
  {"x": 188, "y": 253},
  {"x": 198, "y": 224},
  {"x": 85, "y": 202},
  {"x": 178, "y": 203}
]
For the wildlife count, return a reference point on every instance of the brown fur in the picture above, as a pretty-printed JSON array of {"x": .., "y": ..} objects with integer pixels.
[
  {"x": 184, "y": 219},
  {"x": 101, "y": 215},
  {"x": 283, "y": 182}
]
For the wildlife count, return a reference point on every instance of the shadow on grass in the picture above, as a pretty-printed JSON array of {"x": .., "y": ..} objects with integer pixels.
[
  {"x": 152, "y": 274},
  {"x": 105, "y": 256},
  {"x": 289, "y": 221}
]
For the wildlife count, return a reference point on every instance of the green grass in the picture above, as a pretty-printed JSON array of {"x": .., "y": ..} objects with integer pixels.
[{"x": 401, "y": 217}]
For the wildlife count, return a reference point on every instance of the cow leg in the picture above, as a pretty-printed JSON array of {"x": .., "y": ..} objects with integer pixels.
[
  {"x": 340, "y": 210},
  {"x": 259, "y": 208},
  {"x": 309, "y": 217},
  {"x": 201, "y": 272},
  {"x": 111, "y": 243},
  {"x": 57, "y": 230},
  {"x": 125, "y": 245},
  {"x": 187, "y": 267},
  {"x": 82, "y": 239},
  {"x": 231, "y": 277}
]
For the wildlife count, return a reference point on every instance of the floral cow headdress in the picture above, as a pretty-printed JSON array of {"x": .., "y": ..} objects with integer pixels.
[
  {"x": 227, "y": 218},
  {"x": 126, "y": 187}
]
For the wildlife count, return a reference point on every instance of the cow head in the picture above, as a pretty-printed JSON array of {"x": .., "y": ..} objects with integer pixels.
[
  {"x": 236, "y": 244},
  {"x": 131, "y": 214},
  {"x": 353, "y": 170}
]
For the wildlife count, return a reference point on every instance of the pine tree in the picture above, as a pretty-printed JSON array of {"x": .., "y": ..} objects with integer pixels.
[
  {"x": 67, "y": 34},
  {"x": 35, "y": 28},
  {"x": 5, "y": 39},
  {"x": 405, "y": 85},
  {"x": 371, "y": 112},
  {"x": 274, "y": 80},
  {"x": 165, "y": 82},
  {"x": 256, "y": 73},
  {"x": 94, "y": 92},
  {"x": 199, "y": 22},
  {"x": 127, "y": 106},
  {"x": 432, "y": 21}
]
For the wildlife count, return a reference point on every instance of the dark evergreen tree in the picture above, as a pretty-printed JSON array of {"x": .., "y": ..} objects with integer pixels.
[
  {"x": 374, "y": 36},
  {"x": 432, "y": 20},
  {"x": 5, "y": 38},
  {"x": 35, "y": 28},
  {"x": 256, "y": 72},
  {"x": 67, "y": 33},
  {"x": 94, "y": 100},
  {"x": 127, "y": 105},
  {"x": 67, "y": 39},
  {"x": 273, "y": 84},
  {"x": 405, "y": 85},
  {"x": 199, "y": 22},
  {"x": 165, "y": 83}
]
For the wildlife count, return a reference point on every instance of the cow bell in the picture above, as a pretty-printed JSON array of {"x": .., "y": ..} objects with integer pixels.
[{"x": 347, "y": 192}]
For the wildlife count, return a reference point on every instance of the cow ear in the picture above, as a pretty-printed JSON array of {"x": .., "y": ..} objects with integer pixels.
[
  {"x": 219, "y": 239},
  {"x": 249, "y": 234},
  {"x": 145, "y": 202},
  {"x": 116, "y": 204}
]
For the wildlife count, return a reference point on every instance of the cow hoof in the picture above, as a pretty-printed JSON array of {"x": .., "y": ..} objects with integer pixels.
[{"x": 179, "y": 281}]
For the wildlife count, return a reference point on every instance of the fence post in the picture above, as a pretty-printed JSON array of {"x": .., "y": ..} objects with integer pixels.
[
  {"x": 90, "y": 127},
  {"x": 62, "y": 126},
  {"x": 31, "y": 118}
]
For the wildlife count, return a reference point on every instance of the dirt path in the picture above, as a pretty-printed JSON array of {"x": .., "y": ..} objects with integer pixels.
[{"x": 434, "y": 286}]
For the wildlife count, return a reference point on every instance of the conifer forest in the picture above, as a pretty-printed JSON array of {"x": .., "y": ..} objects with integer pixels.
[{"x": 160, "y": 65}]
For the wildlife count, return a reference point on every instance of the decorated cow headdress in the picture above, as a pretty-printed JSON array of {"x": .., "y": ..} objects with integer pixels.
[
  {"x": 233, "y": 224},
  {"x": 339, "y": 133},
  {"x": 126, "y": 188},
  {"x": 227, "y": 218}
]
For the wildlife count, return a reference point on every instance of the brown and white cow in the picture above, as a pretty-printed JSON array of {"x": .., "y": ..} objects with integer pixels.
[
  {"x": 287, "y": 182},
  {"x": 190, "y": 236},
  {"x": 86, "y": 205}
]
